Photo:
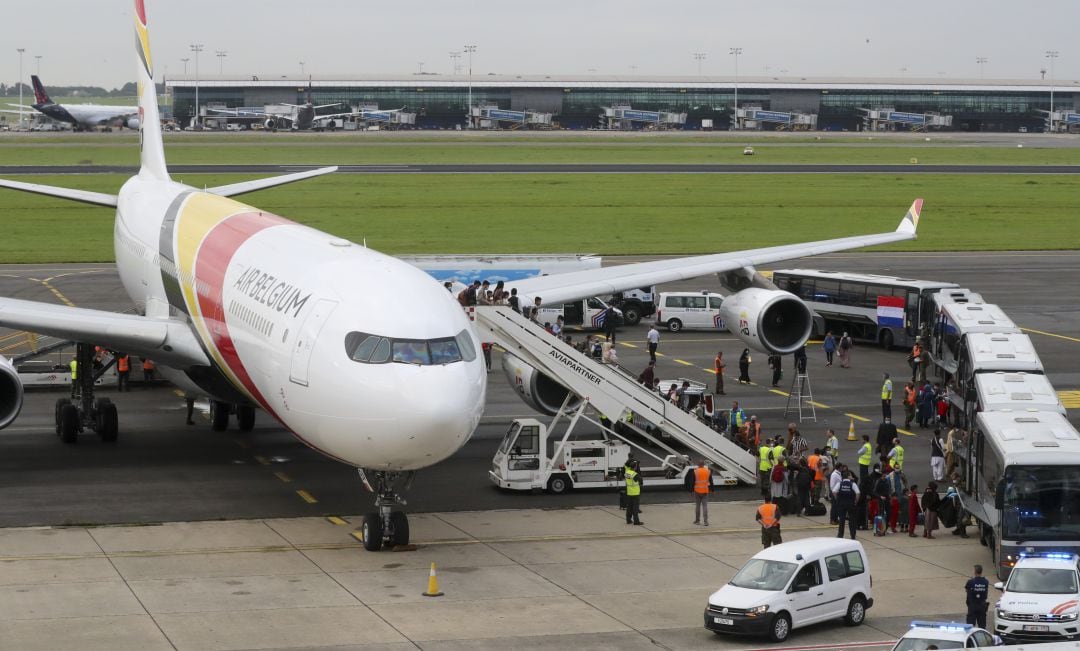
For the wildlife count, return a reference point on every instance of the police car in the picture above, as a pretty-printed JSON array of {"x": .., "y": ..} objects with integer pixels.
[
  {"x": 944, "y": 635},
  {"x": 1041, "y": 600}
]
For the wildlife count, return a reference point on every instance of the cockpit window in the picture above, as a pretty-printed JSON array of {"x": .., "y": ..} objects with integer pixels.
[{"x": 376, "y": 349}]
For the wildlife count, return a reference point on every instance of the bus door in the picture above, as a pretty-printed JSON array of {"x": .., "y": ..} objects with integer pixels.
[{"x": 924, "y": 321}]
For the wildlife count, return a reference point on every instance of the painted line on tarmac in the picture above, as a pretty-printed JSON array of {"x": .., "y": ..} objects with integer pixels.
[
  {"x": 683, "y": 362},
  {"x": 263, "y": 461},
  {"x": 1051, "y": 334},
  {"x": 859, "y": 418},
  {"x": 779, "y": 392},
  {"x": 815, "y": 647},
  {"x": 283, "y": 477},
  {"x": 1069, "y": 399},
  {"x": 333, "y": 519},
  {"x": 307, "y": 497}
]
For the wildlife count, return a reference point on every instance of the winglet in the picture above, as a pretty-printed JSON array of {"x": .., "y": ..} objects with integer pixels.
[{"x": 910, "y": 222}]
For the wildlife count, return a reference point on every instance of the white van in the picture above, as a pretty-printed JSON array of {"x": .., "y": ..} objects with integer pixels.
[
  {"x": 698, "y": 310},
  {"x": 1041, "y": 600},
  {"x": 792, "y": 585}
]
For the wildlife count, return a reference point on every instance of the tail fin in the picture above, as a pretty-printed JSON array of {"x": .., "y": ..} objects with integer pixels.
[
  {"x": 40, "y": 96},
  {"x": 150, "y": 144}
]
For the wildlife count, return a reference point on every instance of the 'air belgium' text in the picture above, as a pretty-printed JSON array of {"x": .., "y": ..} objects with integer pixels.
[{"x": 271, "y": 291}]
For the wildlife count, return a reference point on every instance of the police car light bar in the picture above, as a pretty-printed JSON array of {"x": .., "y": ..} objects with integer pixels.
[
  {"x": 1063, "y": 556},
  {"x": 942, "y": 626}
]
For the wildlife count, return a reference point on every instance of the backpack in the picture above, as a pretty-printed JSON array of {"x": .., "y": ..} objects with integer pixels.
[
  {"x": 778, "y": 473},
  {"x": 845, "y": 343}
]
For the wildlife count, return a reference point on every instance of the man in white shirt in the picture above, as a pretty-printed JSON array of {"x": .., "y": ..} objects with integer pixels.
[
  {"x": 654, "y": 341},
  {"x": 835, "y": 478}
]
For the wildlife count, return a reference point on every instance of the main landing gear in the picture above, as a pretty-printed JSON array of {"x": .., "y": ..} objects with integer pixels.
[
  {"x": 220, "y": 412},
  {"x": 83, "y": 411},
  {"x": 385, "y": 526}
]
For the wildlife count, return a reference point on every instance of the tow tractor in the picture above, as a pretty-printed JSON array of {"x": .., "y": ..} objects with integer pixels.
[{"x": 531, "y": 458}]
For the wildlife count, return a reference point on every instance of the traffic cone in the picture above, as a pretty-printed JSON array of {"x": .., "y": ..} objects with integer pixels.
[
  {"x": 433, "y": 584},
  {"x": 851, "y": 431}
]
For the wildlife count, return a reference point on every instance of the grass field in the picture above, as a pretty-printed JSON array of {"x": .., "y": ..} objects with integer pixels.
[{"x": 601, "y": 213}]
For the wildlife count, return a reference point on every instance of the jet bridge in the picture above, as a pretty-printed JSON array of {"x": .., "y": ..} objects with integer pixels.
[
  {"x": 493, "y": 117},
  {"x": 889, "y": 119},
  {"x": 611, "y": 391},
  {"x": 755, "y": 117},
  {"x": 625, "y": 118}
]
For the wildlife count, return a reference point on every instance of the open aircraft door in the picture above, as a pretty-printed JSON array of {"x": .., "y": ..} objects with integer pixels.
[{"x": 305, "y": 340}]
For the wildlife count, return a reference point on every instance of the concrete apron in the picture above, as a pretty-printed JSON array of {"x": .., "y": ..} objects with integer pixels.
[{"x": 522, "y": 579}]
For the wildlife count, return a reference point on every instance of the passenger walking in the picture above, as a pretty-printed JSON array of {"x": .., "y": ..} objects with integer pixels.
[
  {"x": 653, "y": 338},
  {"x": 611, "y": 321},
  {"x": 768, "y": 516},
  {"x": 909, "y": 404},
  {"x": 483, "y": 295},
  {"x": 719, "y": 366},
  {"x": 829, "y": 346},
  {"x": 632, "y": 477},
  {"x": 123, "y": 370},
  {"x": 844, "y": 351},
  {"x": 804, "y": 480},
  {"x": 977, "y": 589},
  {"x": 513, "y": 301},
  {"x": 937, "y": 456},
  {"x": 926, "y": 402},
  {"x": 930, "y": 501},
  {"x": 700, "y": 482},
  {"x": 886, "y": 397},
  {"x": 832, "y": 445},
  {"x": 847, "y": 495},
  {"x": 776, "y": 366},
  {"x": 800, "y": 360},
  {"x": 744, "y": 366},
  {"x": 913, "y": 509},
  {"x": 648, "y": 375},
  {"x": 915, "y": 360}
]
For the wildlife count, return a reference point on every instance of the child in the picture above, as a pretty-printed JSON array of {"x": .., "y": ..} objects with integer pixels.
[
  {"x": 913, "y": 509},
  {"x": 904, "y": 508},
  {"x": 894, "y": 512},
  {"x": 943, "y": 411}
]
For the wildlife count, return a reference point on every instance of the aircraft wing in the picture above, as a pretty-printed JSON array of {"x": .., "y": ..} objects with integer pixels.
[
  {"x": 244, "y": 187},
  {"x": 560, "y": 288},
  {"x": 242, "y": 114},
  {"x": 170, "y": 341},
  {"x": 22, "y": 106},
  {"x": 85, "y": 196}
]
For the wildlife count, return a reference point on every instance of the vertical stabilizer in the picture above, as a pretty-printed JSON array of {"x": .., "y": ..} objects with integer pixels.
[
  {"x": 40, "y": 96},
  {"x": 151, "y": 147}
]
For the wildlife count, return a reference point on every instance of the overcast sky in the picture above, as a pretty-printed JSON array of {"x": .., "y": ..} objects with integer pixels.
[{"x": 90, "y": 41}]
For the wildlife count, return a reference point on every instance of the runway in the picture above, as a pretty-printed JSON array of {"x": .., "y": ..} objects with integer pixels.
[
  {"x": 161, "y": 470},
  {"x": 584, "y": 168}
]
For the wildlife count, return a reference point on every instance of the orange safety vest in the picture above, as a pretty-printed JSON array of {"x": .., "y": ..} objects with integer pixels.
[
  {"x": 909, "y": 396},
  {"x": 768, "y": 515},
  {"x": 148, "y": 365},
  {"x": 122, "y": 364},
  {"x": 814, "y": 461},
  {"x": 719, "y": 363},
  {"x": 701, "y": 480},
  {"x": 916, "y": 352}
]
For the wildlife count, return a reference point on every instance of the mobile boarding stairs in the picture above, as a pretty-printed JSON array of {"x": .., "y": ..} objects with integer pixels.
[{"x": 612, "y": 392}]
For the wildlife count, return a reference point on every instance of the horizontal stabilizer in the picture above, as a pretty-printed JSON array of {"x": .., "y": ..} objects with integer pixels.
[
  {"x": 85, "y": 196},
  {"x": 244, "y": 187}
]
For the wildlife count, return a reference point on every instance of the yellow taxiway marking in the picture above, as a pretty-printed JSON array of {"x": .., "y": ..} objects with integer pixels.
[
  {"x": 779, "y": 392},
  {"x": 359, "y": 536},
  {"x": 818, "y": 404},
  {"x": 1050, "y": 334},
  {"x": 1070, "y": 399},
  {"x": 262, "y": 460},
  {"x": 858, "y": 418},
  {"x": 904, "y": 431},
  {"x": 684, "y": 362},
  {"x": 333, "y": 519},
  {"x": 283, "y": 477},
  {"x": 628, "y": 344},
  {"x": 56, "y": 292},
  {"x": 307, "y": 497}
]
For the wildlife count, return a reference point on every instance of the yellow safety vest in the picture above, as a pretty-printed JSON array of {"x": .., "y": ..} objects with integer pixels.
[
  {"x": 865, "y": 454},
  {"x": 633, "y": 487},
  {"x": 898, "y": 460},
  {"x": 778, "y": 454},
  {"x": 74, "y": 369},
  {"x": 765, "y": 464},
  {"x": 834, "y": 446},
  {"x": 886, "y": 390},
  {"x": 737, "y": 417}
]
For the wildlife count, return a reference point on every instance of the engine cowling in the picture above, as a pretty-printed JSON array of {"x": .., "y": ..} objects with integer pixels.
[
  {"x": 132, "y": 123},
  {"x": 768, "y": 320},
  {"x": 270, "y": 123},
  {"x": 11, "y": 393},
  {"x": 539, "y": 391}
]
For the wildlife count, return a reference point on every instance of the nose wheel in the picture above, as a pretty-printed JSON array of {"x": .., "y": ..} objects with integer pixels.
[{"x": 386, "y": 526}]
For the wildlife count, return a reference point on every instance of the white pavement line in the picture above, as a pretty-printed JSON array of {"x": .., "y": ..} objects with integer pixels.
[{"x": 811, "y": 647}]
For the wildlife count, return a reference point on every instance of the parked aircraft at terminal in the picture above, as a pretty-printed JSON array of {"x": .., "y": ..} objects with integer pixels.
[
  {"x": 81, "y": 116},
  {"x": 253, "y": 310}
]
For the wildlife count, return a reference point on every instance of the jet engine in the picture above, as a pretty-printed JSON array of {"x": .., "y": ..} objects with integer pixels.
[
  {"x": 132, "y": 123},
  {"x": 271, "y": 124},
  {"x": 768, "y": 320},
  {"x": 11, "y": 393},
  {"x": 537, "y": 390}
]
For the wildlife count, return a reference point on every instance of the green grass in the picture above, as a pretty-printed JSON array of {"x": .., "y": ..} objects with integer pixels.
[{"x": 602, "y": 213}]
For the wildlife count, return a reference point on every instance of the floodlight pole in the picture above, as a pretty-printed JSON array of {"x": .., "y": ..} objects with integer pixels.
[
  {"x": 221, "y": 54},
  {"x": 196, "y": 48},
  {"x": 736, "y": 51},
  {"x": 699, "y": 57},
  {"x": 469, "y": 49},
  {"x": 982, "y": 66},
  {"x": 20, "y": 50},
  {"x": 1051, "y": 54}
]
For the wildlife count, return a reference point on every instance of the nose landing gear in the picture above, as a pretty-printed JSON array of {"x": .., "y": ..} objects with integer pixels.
[{"x": 385, "y": 526}]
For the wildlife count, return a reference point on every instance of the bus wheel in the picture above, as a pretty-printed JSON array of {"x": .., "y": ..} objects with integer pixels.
[{"x": 887, "y": 339}]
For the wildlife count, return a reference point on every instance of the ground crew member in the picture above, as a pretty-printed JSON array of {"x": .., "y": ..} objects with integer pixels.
[
  {"x": 147, "y": 370},
  {"x": 190, "y": 409},
  {"x": 736, "y": 419},
  {"x": 866, "y": 455},
  {"x": 886, "y": 397},
  {"x": 123, "y": 368},
  {"x": 719, "y": 365},
  {"x": 74, "y": 365},
  {"x": 768, "y": 515},
  {"x": 915, "y": 359},
  {"x": 847, "y": 494},
  {"x": 896, "y": 456},
  {"x": 764, "y": 464},
  {"x": 700, "y": 482},
  {"x": 977, "y": 588},
  {"x": 779, "y": 452},
  {"x": 814, "y": 463},
  {"x": 633, "y": 494}
]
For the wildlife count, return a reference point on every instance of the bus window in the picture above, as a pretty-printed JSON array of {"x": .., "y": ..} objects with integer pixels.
[
  {"x": 872, "y": 293},
  {"x": 827, "y": 291},
  {"x": 781, "y": 282},
  {"x": 852, "y": 293}
]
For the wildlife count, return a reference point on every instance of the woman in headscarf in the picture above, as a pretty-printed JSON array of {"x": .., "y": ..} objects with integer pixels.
[{"x": 744, "y": 366}]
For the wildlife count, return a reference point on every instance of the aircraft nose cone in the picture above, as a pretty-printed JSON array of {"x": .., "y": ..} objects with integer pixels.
[{"x": 443, "y": 414}]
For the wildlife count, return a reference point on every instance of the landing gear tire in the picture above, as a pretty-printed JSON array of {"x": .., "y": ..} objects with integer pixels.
[
  {"x": 107, "y": 421},
  {"x": 674, "y": 325},
  {"x": 59, "y": 408},
  {"x": 399, "y": 528},
  {"x": 245, "y": 417},
  {"x": 219, "y": 416},
  {"x": 371, "y": 530},
  {"x": 69, "y": 423}
]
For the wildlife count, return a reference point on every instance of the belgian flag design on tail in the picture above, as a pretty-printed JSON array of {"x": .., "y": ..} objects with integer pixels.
[{"x": 150, "y": 144}]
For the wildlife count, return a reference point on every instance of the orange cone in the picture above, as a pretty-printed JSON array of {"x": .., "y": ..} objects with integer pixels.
[
  {"x": 432, "y": 584},
  {"x": 851, "y": 431}
]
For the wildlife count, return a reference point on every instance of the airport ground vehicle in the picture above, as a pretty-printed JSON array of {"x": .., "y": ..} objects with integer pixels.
[
  {"x": 694, "y": 310},
  {"x": 944, "y": 635},
  {"x": 588, "y": 313},
  {"x": 885, "y": 309},
  {"x": 1040, "y": 602},
  {"x": 792, "y": 585},
  {"x": 1020, "y": 479}
]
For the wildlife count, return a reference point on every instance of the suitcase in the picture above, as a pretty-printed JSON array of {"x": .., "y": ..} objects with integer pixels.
[
  {"x": 790, "y": 505},
  {"x": 816, "y": 508},
  {"x": 879, "y": 526}
]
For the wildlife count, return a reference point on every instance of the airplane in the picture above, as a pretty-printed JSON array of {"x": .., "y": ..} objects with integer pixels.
[
  {"x": 252, "y": 310},
  {"x": 80, "y": 116},
  {"x": 303, "y": 116}
]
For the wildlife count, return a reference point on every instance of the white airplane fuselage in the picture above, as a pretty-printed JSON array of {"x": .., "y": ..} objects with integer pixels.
[{"x": 272, "y": 303}]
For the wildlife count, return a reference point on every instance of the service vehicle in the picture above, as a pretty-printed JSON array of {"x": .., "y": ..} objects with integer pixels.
[
  {"x": 944, "y": 635},
  {"x": 529, "y": 458},
  {"x": 1040, "y": 602},
  {"x": 587, "y": 314},
  {"x": 695, "y": 310},
  {"x": 792, "y": 585}
]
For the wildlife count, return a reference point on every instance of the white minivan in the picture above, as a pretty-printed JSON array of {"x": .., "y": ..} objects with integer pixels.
[
  {"x": 696, "y": 310},
  {"x": 792, "y": 585}
]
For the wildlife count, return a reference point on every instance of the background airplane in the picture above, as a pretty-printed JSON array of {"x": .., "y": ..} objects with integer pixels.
[
  {"x": 301, "y": 117},
  {"x": 81, "y": 116}
]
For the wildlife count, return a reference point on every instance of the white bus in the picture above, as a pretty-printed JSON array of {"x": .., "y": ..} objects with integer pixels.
[
  {"x": 956, "y": 321},
  {"x": 1020, "y": 479},
  {"x": 884, "y": 309}
]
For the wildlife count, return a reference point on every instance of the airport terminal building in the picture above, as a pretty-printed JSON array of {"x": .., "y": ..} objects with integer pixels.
[{"x": 576, "y": 102}]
